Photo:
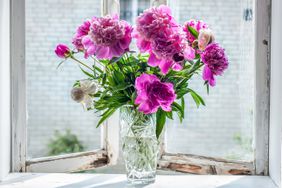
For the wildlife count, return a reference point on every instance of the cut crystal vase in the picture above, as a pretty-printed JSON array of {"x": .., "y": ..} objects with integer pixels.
[{"x": 139, "y": 145}]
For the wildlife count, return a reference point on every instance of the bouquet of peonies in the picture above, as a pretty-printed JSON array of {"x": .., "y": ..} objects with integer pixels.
[{"x": 153, "y": 81}]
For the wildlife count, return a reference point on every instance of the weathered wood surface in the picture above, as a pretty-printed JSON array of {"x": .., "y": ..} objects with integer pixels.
[
  {"x": 262, "y": 85},
  {"x": 203, "y": 165},
  {"x": 69, "y": 162},
  {"x": 18, "y": 85}
]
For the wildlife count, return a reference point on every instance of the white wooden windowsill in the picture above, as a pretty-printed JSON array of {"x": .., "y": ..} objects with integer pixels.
[{"x": 63, "y": 180}]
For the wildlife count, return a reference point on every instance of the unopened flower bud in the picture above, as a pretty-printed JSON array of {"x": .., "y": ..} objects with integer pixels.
[
  {"x": 62, "y": 51},
  {"x": 195, "y": 44},
  {"x": 205, "y": 37},
  {"x": 77, "y": 94}
]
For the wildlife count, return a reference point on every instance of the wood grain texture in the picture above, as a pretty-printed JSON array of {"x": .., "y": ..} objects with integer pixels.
[
  {"x": 262, "y": 85},
  {"x": 18, "y": 85},
  {"x": 203, "y": 165},
  {"x": 69, "y": 162}
]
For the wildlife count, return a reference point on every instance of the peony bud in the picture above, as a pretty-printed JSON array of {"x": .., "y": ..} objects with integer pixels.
[
  {"x": 62, "y": 51},
  {"x": 205, "y": 37},
  {"x": 77, "y": 94}
]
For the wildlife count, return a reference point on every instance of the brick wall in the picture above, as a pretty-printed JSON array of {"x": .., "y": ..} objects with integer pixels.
[
  {"x": 210, "y": 130},
  {"x": 50, "y": 107},
  {"x": 205, "y": 131}
]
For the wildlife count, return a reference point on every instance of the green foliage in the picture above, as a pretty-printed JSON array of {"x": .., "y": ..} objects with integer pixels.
[
  {"x": 160, "y": 117},
  {"x": 64, "y": 143},
  {"x": 193, "y": 31},
  {"x": 117, "y": 81}
]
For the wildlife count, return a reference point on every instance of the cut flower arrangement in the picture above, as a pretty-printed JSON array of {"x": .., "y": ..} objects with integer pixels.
[{"x": 147, "y": 86}]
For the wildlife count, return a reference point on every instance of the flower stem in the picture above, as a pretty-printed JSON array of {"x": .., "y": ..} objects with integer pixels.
[{"x": 81, "y": 63}]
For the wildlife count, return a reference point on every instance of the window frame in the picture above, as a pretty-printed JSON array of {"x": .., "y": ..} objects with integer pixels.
[{"x": 110, "y": 131}]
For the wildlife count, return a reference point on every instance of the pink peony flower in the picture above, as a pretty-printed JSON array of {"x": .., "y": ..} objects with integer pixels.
[
  {"x": 108, "y": 37},
  {"x": 81, "y": 32},
  {"x": 150, "y": 23},
  {"x": 158, "y": 33},
  {"x": 154, "y": 20},
  {"x": 152, "y": 94},
  {"x": 215, "y": 61},
  {"x": 62, "y": 51},
  {"x": 168, "y": 50},
  {"x": 197, "y": 25}
]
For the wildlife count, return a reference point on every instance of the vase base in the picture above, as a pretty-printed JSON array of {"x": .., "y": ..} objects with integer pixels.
[{"x": 144, "y": 181}]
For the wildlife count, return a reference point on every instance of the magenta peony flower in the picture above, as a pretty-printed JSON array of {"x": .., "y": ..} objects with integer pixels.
[
  {"x": 215, "y": 61},
  {"x": 62, "y": 51},
  {"x": 169, "y": 49},
  {"x": 81, "y": 32},
  {"x": 108, "y": 37},
  {"x": 152, "y": 94},
  {"x": 197, "y": 25}
]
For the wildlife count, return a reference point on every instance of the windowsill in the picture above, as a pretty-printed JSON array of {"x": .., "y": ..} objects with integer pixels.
[{"x": 52, "y": 180}]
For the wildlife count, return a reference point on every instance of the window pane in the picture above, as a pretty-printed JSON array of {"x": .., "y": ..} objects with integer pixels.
[
  {"x": 50, "y": 107},
  {"x": 224, "y": 127}
]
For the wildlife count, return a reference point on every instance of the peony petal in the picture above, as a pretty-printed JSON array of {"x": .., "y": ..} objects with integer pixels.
[
  {"x": 166, "y": 108},
  {"x": 147, "y": 108},
  {"x": 177, "y": 67},
  {"x": 143, "y": 45},
  {"x": 208, "y": 76},
  {"x": 153, "y": 60},
  {"x": 102, "y": 52},
  {"x": 165, "y": 66},
  {"x": 165, "y": 9},
  {"x": 116, "y": 51},
  {"x": 124, "y": 43},
  {"x": 189, "y": 53},
  {"x": 143, "y": 79},
  {"x": 142, "y": 96}
]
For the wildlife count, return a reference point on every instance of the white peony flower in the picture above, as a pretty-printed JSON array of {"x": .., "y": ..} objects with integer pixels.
[{"x": 82, "y": 94}]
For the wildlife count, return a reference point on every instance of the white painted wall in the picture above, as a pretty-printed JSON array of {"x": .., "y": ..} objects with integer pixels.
[
  {"x": 276, "y": 93},
  {"x": 4, "y": 89}
]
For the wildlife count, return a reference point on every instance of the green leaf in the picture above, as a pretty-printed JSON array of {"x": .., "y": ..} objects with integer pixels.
[
  {"x": 87, "y": 73},
  {"x": 161, "y": 117},
  {"x": 105, "y": 116},
  {"x": 115, "y": 59},
  {"x": 208, "y": 87},
  {"x": 179, "y": 110},
  {"x": 61, "y": 63},
  {"x": 98, "y": 69},
  {"x": 197, "y": 98},
  {"x": 193, "y": 31},
  {"x": 183, "y": 105},
  {"x": 169, "y": 115},
  {"x": 120, "y": 87},
  {"x": 76, "y": 84}
]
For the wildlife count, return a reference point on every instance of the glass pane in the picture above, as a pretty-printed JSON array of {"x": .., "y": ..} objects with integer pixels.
[
  {"x": 50, "y": 107},
  {"x": 224, "y": 127},
  {"x": 130, "y": 9}
]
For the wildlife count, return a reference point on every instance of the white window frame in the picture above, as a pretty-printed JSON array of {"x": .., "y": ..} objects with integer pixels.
[{"x": 18, "y": 105}]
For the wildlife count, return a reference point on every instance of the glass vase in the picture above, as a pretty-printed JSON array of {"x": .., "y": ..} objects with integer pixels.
[{"x": 139, "y": 145}]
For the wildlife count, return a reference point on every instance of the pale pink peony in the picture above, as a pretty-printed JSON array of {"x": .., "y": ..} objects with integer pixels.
[
  {"x": 108, "y": 37},
  {"x": 152, "y": 94},
  {"x": 197, "y": 25}
]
